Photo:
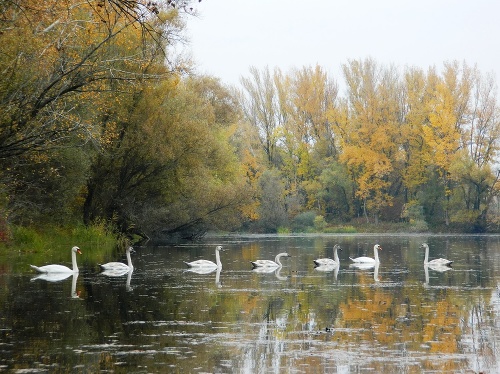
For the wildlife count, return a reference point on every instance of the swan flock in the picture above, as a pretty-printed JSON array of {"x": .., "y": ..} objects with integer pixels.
[{"x": 203, "y": 266}]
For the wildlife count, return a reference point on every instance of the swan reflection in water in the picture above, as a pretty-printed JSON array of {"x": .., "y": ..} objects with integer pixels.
[
  {"x": 118, "y": 273},
  {"x": 207, "y": 270},
  {"x": 53, "y": 277},
  {"x": 438, "y": 268},
  {"x": 328, "y": 268},
  {"x": 269, "y": 270},
  {"x": 57, "y": 277},
  {"x": 363, "y": 266},
  {"x": 368, "y": 266}
]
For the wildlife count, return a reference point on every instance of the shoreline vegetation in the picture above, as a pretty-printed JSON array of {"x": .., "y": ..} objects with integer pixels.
[
  {"x": 26, "y": 245},
  {"x": 29, "y": 245},
  {"x": 100, "y": 238}
]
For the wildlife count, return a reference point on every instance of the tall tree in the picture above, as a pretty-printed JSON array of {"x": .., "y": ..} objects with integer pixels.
[
  {"x": 370, "y": 146},
  {"x": 262, "y": 109}
]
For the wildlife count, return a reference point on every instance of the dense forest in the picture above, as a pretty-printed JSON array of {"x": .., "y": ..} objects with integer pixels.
[{"x": 102, "y": 120}]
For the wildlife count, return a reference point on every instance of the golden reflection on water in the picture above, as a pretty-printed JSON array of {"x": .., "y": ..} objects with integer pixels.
[{"x": 397, "y": 317}]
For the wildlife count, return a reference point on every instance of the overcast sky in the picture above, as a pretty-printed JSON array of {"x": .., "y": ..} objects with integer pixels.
[{"x": 229, "y": 36}]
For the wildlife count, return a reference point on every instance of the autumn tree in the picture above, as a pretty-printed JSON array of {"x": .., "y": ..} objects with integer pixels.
[
  {"x": 370, "y": 139},
  {"x": 308, "y": 137}
]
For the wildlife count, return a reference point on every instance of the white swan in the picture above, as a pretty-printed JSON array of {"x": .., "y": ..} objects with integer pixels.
[
  {"x": 438, "y": 268},
  {"x": 328, "y": 261},
  {"x": 435, "y": 262},
  {"x": 368, "y": 260},
  {"x": 269, "y": 263},
  {"x": 206, "y": 263},
  {"x": 60, "y": 268},
  {"x": 120, "y": 266}
]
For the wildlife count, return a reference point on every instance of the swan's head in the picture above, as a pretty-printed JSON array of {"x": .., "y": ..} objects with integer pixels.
[
  {"x": 284, "y": 254},
  {"x": 336, "y": 246},
  {"x": 76, "y": 250},
  {"x": 378, "y": 247},
  {"x": 424, "y": 245},
  {"x": 131, "y": 249},
  {"x": 219, "y": 248}
]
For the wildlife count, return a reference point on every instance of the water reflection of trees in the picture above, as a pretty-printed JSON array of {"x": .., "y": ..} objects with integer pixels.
[{"x": 258, "y": 322}]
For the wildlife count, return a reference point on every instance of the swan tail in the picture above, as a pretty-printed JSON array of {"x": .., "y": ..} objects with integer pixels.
[
  {"x": 37, "y": 268},
  {"x": 350, "y": 258},
  {"x": 187, "y": 263}
]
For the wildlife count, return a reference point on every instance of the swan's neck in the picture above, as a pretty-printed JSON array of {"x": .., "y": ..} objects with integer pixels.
[
  {"x": 277, "y": 260},
  {"x": 217, "y": 258},
  {"x": 73, "y": 260},
  {"x": 376, "y": 254},
  {"x": 336, "y": 255},
  {"x": 426, "y": 259},
  {"x": 129, "y": 260}
]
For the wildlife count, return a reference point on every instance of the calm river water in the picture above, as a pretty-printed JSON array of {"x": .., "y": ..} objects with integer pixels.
[{"x": 399, "y": 318}]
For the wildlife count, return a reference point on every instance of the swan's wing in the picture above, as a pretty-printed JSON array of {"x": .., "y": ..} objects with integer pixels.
[
  {"x": 264, "y": 263},
  {"x": 441, "y": 261},
  {"x": 114, "y": 265},
  {"x": 52, "y": 269},
  {"x": 325, "y": 261},
  {"x": 440, "y": 268},
  {"x": 201, "y": 263}
]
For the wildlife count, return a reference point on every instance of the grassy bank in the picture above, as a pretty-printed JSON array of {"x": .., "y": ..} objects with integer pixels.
[{"x": 52, "y": 245}]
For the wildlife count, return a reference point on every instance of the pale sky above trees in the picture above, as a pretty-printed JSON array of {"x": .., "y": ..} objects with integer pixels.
[{"x": 230, "y": 36}]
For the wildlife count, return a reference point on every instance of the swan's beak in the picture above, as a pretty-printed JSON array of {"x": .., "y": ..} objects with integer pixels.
[{"x": 78, "y": 251}]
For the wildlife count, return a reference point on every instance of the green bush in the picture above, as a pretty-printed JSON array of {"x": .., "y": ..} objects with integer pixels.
[{"x": 304, "y": 222}]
